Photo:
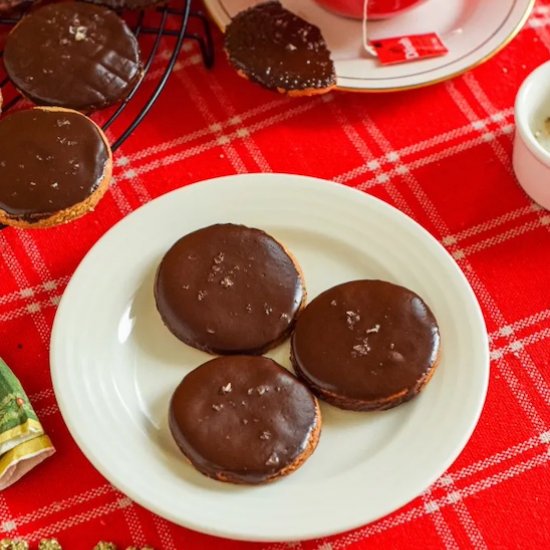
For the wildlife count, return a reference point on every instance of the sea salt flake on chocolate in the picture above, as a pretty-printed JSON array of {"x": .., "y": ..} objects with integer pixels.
[
  {"x": 374, "y": 329},
  {"x": 362, "y": 349},
  {"x": 227, "y": 282},
  {"x": 217, "y": 407},
  {"x": 262, "y": 389},
  {"x": 210, "y": 331},
  {"x": 80, "y": 33},
  {"x": 265, "y": 435},
  {"x": 352, "y": 318},
  {"x": 226, "y": 389},
  {"x": 201, "y": 295},
  {"x": 219, "y": 258}
]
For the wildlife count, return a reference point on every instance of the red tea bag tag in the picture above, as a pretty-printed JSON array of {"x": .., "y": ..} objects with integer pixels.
[{"x": 402, "y": 49}]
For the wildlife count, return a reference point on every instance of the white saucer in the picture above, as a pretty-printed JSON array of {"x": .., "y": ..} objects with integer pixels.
[
  {"x": 115, "y": 365},
  {"x": 473, "y": 30}
]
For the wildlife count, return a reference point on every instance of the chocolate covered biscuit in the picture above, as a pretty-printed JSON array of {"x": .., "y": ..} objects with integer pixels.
[
  {"x": 229, "y": 289},
  {"x": 366, "y": 345},
  {"x": 73, "y": 55},
  {"x": 55, "y": 165},
  {"x": 244, "y": 419}
]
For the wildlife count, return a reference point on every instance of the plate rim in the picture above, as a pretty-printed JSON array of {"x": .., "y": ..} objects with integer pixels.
[
  {"x": 214, "y": 529},
  {"x": 208, "y": 4}
]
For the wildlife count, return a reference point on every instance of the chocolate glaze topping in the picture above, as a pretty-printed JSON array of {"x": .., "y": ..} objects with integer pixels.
[
  {"x": 74, "y": 55},
  {"x": 228, "y": 289},
  {"x": 365, "y": 340},
  {"x": 243, "y": 419},
  {"x": 278, "y": 49},
  {"x": 49, "y": 161}
]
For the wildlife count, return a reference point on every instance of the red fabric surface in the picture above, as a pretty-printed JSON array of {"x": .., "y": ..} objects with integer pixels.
[{"x": 442, "y": 155}]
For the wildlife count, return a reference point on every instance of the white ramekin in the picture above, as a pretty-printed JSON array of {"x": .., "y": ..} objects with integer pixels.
[{"x": 531, "y": 160}]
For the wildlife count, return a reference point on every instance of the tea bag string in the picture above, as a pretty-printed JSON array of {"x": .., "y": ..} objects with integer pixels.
[{"x": 366, "y": 45}]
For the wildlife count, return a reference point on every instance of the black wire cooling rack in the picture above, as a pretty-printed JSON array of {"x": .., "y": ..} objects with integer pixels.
[{"x": 169, "y": 22}]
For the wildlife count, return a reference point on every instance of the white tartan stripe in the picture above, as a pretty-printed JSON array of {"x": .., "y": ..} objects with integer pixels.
[
  {"x": 494, "y": 460},
  {"x": 428, "y": 159},
  {"x": 220, "y": 139},
  {"x": 61, "y": 505},
  {"x": 14, "y": 266},
  {"x": 6, "y": 515},
  {"x": 43, "y": 412},
  {"x": 163, "y": 529},
  {"x": 503, "y": 237},
  {"x": 56, "y": 528},
  {"x": 492, "y": 224},
  {"x": 48, "y": 286},
  {"x": 134, "y": 525},
  {"x": 521, "y": 324},
  {"x": 242, "y": 131},
  {"x": 33, "y": 309},
  {"x": 441, "y": 526},
  {"x": 34, "y": 254},
  {"x": 488, "y": 137},
  {"x": 42, "y": 394},
  {"x": 184, "y": 139},
  {"x": 369, "y": 160}
]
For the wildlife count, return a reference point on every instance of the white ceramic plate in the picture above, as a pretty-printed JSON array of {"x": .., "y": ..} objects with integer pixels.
[
  {"x": 473, "y": 30},
  {"x": 115, "y": 365}
]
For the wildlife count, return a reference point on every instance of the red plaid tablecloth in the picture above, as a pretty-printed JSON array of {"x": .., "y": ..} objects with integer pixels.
[{"x": 440, "y": 154}]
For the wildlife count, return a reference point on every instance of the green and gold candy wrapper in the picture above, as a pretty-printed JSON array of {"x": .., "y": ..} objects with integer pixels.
[{"x": 23, "y": 443}]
